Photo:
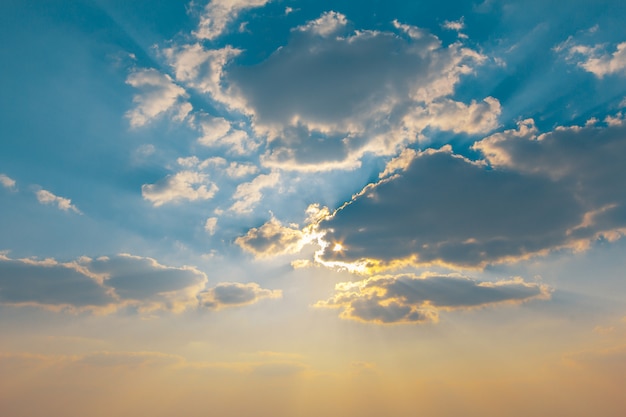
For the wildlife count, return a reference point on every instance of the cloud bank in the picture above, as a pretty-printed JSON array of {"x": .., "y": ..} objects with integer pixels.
[{"x": 108, "y": 284}]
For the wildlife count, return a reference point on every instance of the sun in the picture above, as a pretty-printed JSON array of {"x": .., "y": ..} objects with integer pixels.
[{"x": 338, "y": 247}]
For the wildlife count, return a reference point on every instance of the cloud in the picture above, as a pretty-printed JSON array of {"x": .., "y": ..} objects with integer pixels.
[
  {"x": 211, "y": 225},
  {"x": 101, "y": 285},
  {"x": 184, "y": 185},
  {"x": 445, "y": 209},
  {"x": 457, "y": 25},
  {"x": 272, "y": 239},
  {"x": 248, "y": 194},
  {"x": 218, "y": 132},
  {"x": 409, "y": 298},
  {"x": 324, "y": 101},
  {"x": 65, "y": 204},
  {"x": 533, "y": 193},
  {"x": 327, "y": 24},
  {"x": 584, "y": 160},
  {"x": 158, "y": 95},
  {"x": 7, "y": 182},
  {"x": 202, "y": 69},
  {"x": 218, "y": 14},
  {"x": 232, "y": 294},
  {"x": 596, "y": 59}
]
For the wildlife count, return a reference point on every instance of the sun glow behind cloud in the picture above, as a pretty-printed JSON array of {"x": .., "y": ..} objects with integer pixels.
[{"x": 345, "y": 210}]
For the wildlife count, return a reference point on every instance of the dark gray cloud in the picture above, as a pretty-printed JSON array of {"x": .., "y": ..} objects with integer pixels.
[
  {"x": 100, "y": 285},
  {"x": 232, "y": 294},
  {"x": 49, "y": 283},
  {"x": 446, "y": 209},
  {"x": 139, "y": 278},
  {"x": 411, "y": 299},
  {"x": 588, "y": 159},
  {"x": 533, "y": 193}
]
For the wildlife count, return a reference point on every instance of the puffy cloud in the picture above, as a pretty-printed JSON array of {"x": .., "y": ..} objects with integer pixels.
[
  {"x": 158, "y": 95},
  {"x": 454, "y": 116},
  {"x": 238, "y": 170},
  {"x": 65, "y": 204},
  {"x": 324, "y": 101},
  {"x": 100, "y": 285},
  {"x": 418, "y": 299},
  {"x": 218, "y": 132},
  {"x": 272, "y": 239},
  {"x": 327, "y": 24},
  {"x": 232, "y": 294},
  {"x": 248, "y": 194},
  {"x": 218, "y": 14},
  {"x": 184, "y": 185},
  {"x": 201, "y": 68},
  {"x": 533, "y": 193},
  {"x": 7, "y": 182}
]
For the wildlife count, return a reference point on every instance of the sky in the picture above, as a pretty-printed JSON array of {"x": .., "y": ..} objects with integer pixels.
[{"x": 312, "y": 208}]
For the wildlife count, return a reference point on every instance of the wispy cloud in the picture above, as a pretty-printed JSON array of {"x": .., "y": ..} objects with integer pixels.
[
  {"x": 249, "y": 194},
  {"x": 218, "y": 14},
  {"x": 65, "y": 204},
  {"x": 7, "y": 182},
  {"x": 598, "y": 59}
]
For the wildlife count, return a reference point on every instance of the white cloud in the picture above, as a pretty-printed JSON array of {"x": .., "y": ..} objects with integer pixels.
[
  {"x": 211, "y": 225},
  {"x": 409, "y": 298},
  {"x": 454, "y": 116},
  {"x": 233, "y": 294},
  {"x": 184, "y": 185},
  {"x": 248, "y": 195},
  {"x": 457, "y": 25},
  {"x": 202, "y": 69},
  {"x": 327, "y": 24},
  {"x": 7, "y": 182},
  {"x": 597, "y": 59},
  {"x": 65, "y": 204},
  {"x": 218, "y": 132},
  {"x": 218, "y": 14},
  {"x": 158, "y": 95}
]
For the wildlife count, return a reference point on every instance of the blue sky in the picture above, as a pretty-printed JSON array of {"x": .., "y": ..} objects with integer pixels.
[{"x": 319, "y": 176}]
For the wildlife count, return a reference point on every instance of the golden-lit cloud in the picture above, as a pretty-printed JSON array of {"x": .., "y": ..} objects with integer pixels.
[{"x": 407, "y": 298}]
